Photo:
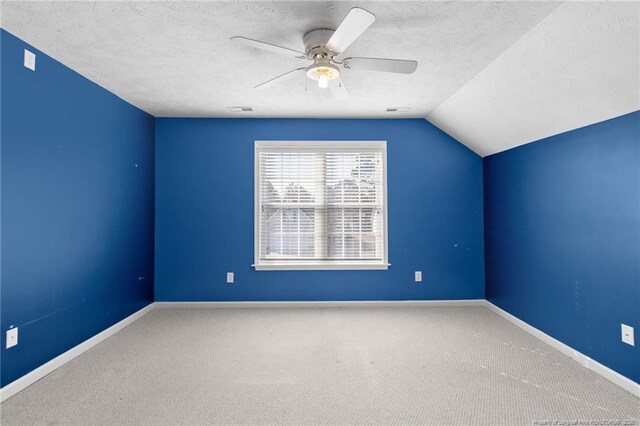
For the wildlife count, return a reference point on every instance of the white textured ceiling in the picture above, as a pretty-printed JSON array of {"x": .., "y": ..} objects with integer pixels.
[
  {"x": 174, "y": 58},
  {"x": 490, "y": 73}
]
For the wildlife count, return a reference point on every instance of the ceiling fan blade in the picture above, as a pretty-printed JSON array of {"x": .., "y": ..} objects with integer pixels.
[
  {"x": 267, "y": 46},
  {"x": 338, "y": 89},
  {"x": 275, "y": 80},
  {"x": 351, "y": 27},
  {"x": 401, "y": 66}
]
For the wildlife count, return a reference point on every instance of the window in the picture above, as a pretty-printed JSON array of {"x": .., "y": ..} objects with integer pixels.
[{"x": 320, "y": 205}]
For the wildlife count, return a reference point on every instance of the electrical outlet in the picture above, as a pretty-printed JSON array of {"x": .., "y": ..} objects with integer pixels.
[
  {"x": 229, "y": 277},
  {"x": 627, "y": 335},
  {"x": 418, "y": 276},
  {"x": 30, "y": 60},
  {"x": 12, "y": 337}
]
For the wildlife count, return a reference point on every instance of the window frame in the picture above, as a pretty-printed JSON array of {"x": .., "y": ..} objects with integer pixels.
[{"x": 318, "y": 146}]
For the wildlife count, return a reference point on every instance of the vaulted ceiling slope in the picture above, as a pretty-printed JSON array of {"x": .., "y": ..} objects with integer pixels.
[
  {"x": 579, "y": 66},
  {"x": 492, "y": 74}
]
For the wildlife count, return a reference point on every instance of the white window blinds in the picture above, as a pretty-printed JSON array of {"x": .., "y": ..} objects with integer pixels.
[{"x": 320, "y": 205}]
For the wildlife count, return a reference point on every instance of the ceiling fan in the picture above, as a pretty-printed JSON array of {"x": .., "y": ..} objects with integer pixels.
[{"x": 324, "y": 46}]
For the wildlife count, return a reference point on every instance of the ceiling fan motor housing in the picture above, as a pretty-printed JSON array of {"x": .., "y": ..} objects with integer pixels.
[{"x": 315, "y": 40}]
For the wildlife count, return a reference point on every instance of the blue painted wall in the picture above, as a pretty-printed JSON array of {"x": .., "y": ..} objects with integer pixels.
[
  {"x": 77, "y": 208},
  {"x": 562, "y": 230},
  {"x": 204, "y": 213}
]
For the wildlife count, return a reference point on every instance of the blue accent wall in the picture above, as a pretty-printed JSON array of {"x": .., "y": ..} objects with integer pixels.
[
  {"x": 205, "y": 213},
  {"x": 562, "y": 230},
  {"x": 77, "y": 208}
]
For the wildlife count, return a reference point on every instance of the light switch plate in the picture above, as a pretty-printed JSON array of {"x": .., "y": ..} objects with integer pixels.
[
  {"x": 627, "y": 335},
  {"x": 418, "y": 276},
  {"x": 29, "y": 60},
  {"x": 12, "y": 337},
  {"x": 229, "y": 277}
]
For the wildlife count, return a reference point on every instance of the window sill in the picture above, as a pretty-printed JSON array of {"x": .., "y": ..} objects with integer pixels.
[{"x": 324, "y": 266}]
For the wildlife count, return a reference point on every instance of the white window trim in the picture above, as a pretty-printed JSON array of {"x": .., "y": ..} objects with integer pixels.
[{"x": 316, "y": 146}]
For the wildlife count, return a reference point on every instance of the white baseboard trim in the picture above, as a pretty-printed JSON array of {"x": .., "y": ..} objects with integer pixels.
[
  {"x": 17, "y": 385},
  {"x": 323, "y": 304},
  {"x": 613, "y": 376}
]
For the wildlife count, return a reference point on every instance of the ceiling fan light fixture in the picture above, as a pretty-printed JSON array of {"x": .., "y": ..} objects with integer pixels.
[{"x": 322, "y": 73}]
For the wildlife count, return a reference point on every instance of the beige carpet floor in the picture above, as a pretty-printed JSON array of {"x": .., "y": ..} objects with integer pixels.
[{"x": 433, "y": 366}]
